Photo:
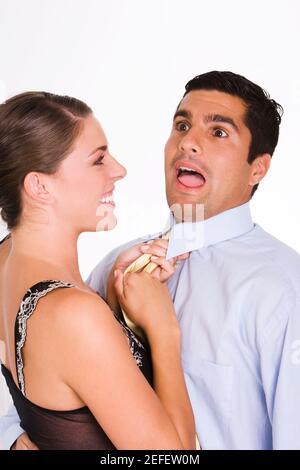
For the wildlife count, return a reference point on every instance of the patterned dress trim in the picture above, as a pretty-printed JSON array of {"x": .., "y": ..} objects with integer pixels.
[{"x": 27, "y": 307}]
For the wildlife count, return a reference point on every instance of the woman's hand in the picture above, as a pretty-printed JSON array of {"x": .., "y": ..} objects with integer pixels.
[
  {"x": 157, "y": 249},
  {"x": 127, "y": 257},
  {"x": 146, "y": 301},
  {"x": 24, "y": 443}
]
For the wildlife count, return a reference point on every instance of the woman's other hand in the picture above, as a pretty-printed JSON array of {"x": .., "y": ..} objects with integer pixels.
[
  {"x": 145, "y": 300},
  {"x": 24, "y": 443}
]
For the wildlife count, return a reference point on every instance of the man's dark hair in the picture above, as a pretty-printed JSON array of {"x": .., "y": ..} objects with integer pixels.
[{"x": 263, "y": 115}]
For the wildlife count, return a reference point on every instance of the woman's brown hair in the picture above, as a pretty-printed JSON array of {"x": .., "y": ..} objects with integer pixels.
[{"x": 37, "y": 131}]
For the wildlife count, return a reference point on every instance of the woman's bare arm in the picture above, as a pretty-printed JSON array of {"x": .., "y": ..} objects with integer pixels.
[{"x": 100, "y": 368}]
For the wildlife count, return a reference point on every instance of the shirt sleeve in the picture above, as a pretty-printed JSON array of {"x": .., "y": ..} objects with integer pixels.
[
  {"x": 280, "y": 368},
  {"x": 10, "y": 428}
]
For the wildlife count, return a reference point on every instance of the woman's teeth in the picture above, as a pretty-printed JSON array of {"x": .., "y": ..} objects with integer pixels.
[{"x": 107, "y": 199}]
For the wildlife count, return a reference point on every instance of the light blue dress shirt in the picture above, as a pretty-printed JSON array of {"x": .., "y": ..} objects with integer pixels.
[{"x": 237, "y": 302}]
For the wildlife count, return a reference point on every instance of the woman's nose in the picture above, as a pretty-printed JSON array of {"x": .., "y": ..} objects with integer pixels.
[{"x": 118, "y": 171}]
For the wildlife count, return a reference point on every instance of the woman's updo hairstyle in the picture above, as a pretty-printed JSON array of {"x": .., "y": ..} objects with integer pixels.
[{"x": 37, "y": 131}]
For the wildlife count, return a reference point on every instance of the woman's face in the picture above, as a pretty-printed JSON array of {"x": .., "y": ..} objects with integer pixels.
[{"x": 84, "y": 183}]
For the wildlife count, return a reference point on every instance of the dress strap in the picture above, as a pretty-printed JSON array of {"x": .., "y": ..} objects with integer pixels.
[
  {"x": 27, "y": 307},
  {"x": 5, "y": 238}
]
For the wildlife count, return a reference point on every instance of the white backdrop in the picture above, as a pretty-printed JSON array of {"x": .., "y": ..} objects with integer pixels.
[{"x": 130, "y": 60}]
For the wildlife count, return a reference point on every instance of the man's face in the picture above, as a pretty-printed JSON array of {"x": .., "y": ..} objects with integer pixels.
[{"x": 206, "y": 153}]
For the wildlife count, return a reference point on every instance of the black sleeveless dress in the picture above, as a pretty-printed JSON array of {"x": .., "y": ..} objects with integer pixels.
[{"x": 58, "y": 430}]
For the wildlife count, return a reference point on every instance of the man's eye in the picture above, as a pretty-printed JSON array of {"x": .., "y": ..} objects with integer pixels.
[
  {"x": 182, "y": 126},
  {"x": 99, "y": 160},
  {"x": 219, "y": 133}
]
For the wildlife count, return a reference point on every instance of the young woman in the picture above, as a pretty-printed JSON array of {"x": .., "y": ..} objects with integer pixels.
[{"x": 79, "y": 377}]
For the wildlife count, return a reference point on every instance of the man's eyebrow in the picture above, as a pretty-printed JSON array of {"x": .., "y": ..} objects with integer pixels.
[
  {"x": 103, "y": 148},
  {"x": 209, "y": 118},
  {"x": 182, "y": 113},
  {"x": 221, "y": 118}
]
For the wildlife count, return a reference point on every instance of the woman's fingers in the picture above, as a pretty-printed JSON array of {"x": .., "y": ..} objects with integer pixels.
[
  {"x": 127, "y": 257},
  {"x": 159, "y": 241},
  {"x": 138, "y": 264},
  {"x": 164, "y": 269},
  {"x": 154, "y": 253},
  {"x": 184, "y": 256},
  {"x": 24, "y": 443},
  {"x": 119, "y": 283},
  {"x": 159, "y": 248},
  {"x": 154, "y": 249}
]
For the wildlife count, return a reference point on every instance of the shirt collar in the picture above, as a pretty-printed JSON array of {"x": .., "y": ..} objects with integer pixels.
[{"x": 189, "y": 236}]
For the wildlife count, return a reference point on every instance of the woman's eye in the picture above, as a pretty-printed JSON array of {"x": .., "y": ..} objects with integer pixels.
[
  {"x": 182, "y": 126},
  {"x": 99, "y": 160},
  {"x": 220, "y": 133}
]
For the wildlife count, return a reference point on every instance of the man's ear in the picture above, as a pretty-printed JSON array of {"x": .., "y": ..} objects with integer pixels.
[
  {"x": 259, "y": 168},
  {"x": 35, "y": 187}
]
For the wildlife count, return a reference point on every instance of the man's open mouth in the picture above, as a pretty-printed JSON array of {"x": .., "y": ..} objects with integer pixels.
[{"x": 189, "y": 177}]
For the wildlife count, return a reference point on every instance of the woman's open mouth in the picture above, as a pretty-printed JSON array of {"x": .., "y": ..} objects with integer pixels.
[
  {"x": 189, "y": 175},
  {"x": 108, "y": 199}
]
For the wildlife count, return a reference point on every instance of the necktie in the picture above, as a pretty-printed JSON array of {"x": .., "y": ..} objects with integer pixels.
[{"x": 144, "y": 263}]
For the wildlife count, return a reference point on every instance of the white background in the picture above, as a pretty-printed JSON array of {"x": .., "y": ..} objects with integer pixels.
[{"x": 129, "y": 60}]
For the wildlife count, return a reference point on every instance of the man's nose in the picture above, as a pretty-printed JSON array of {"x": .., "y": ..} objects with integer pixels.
[{"x": 191, "y": 144}]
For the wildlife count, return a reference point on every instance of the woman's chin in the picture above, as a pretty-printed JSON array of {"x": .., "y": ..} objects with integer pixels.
[{"x": 106, "y": 224}]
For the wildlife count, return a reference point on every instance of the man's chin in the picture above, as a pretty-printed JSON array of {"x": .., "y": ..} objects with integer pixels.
[{"x": 187, "y": 211}]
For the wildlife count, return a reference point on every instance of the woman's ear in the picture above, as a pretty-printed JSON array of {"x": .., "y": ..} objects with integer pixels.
[
  {"x": 36, "y": 187},
  {"x": 259, "y": 168}
]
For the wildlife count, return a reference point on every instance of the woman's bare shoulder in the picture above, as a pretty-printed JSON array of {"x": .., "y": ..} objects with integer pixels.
[
  {"x": 76, "y": 299},
  {"x": 83, "y": 318},
  {"x": 79, "y": 308}
]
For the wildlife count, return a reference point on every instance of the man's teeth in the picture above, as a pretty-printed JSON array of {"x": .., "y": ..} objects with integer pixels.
[
  {"x": 107, "y": 199},
  {"x": 183, "y": 168}
]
